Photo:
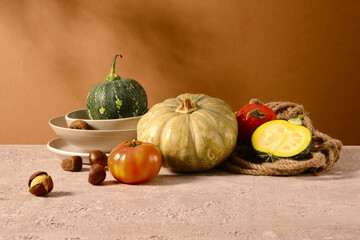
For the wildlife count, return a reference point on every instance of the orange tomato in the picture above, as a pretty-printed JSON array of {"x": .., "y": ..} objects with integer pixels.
[{"x": 134, "y": 162}]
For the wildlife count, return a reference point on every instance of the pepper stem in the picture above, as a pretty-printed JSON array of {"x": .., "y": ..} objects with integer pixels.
[
  {"x": 297, "y": 121},
  {"x": 112, "y": 75},
  {"x": 186, "y": 106}
]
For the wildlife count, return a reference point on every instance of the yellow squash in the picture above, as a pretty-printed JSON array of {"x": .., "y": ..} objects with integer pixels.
[{"x": 282, "y": 139}]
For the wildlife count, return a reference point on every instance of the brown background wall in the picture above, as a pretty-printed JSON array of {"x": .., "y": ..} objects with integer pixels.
[{"x": 53, "y": 52}]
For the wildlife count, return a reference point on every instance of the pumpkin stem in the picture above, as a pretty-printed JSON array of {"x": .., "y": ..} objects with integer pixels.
[
  {"x": 297, "y": 121},
  {"x": 186, "y": 106},
  {"x": 113, "y": 76}
]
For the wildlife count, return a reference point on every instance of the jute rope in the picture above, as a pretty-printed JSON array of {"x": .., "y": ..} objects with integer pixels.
[{"x": 325, "y": 151}]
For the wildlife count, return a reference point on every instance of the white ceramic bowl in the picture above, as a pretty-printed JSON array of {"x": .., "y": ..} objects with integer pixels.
[
  {"x": 88, "y": 140},
  {"x": 110, "y": 124}
]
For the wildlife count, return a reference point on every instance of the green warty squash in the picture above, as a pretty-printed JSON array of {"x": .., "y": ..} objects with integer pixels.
[{"x": 116, "y": 97}]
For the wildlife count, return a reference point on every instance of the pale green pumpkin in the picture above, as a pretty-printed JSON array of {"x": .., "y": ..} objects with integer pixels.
[{"x": 194, "y": 132}]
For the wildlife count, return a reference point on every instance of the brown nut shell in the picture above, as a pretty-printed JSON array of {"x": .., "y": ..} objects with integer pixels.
[
  {"x": 98, "y": 157},
  {"x": 80, "y": 124},
  {"x": 34, "y": 175},
  {"x": 97, "y": 174},
  {"x": 39, "y": 189},
  {"x": 73, "y": 163}
]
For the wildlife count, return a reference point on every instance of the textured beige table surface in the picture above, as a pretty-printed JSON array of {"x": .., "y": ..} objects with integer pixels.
[{"x": 212, "y": 205}]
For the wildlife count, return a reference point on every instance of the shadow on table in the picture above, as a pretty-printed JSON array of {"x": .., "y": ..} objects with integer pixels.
[
  {"x": 173, "y": 178},
  {"x": 158, "y": 180},
  {"x": 55, "y": 194}
]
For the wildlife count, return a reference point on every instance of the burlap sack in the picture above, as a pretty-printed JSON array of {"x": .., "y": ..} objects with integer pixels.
[{"x": 325, "y": 151}]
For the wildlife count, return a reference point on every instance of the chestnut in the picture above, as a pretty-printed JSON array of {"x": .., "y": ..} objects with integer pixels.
[
  {"x": 97, "y": 174},
  {"x": 80, "y": 124},
  {"x": 40, "y": 183},
  {"x": 98, "y": 157},
  {"x": 73, "y": 163}
]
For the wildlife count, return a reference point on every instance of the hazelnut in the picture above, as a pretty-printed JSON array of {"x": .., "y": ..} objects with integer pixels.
[
  {"x": 97, "y": 174},
  {"x": 80, "y": 124},
  {"x": 40, "y": 183},
  {"x": 73, "y": 163},
  {"x": 98, "y": 157}
]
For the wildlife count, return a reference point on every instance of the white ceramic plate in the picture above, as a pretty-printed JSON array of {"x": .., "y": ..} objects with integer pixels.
[
  {"x": 64, "y": 150},
  {"x": 88, "y": 140}
]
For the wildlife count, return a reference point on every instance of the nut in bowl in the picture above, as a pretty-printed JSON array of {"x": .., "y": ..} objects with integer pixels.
[
  {"x": 103, "y": 140},
  {"x": 108, "y": 124}
]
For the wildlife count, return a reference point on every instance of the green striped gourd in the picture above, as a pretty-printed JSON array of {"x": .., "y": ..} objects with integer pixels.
[{"x": 116, "y": 97}]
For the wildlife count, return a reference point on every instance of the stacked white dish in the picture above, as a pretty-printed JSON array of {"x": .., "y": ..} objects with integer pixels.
[{"x": 103, "y": 135}]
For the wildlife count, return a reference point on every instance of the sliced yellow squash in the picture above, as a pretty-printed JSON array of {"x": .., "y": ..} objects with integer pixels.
[{"x": 282, "y": 139}]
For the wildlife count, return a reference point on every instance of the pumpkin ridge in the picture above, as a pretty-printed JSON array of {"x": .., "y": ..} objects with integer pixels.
[
  {"x": 187, "y": 158},
  {"x": 164, "y": 126},
  {"x": 208, "y": 139},
  {"x": 210, "y": 102},
  {"x": 193, "y": 136},
  {"x": 170, "y": 138},
  {"x": 166, "y": 104},
  {"x": 151, "y": 121},
  {"x": 201, "y": 97},
  {"x": 193, "y": 97},
  {"x": 225, "y": 113}
]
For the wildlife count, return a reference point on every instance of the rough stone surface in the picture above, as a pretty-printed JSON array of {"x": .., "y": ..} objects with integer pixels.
[{"x": 211, "y": 205}]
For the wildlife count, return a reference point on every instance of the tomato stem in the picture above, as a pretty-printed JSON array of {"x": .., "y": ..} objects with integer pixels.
[
  {"x": 134, "y": 143},
  {"x": 256, "y": 113}
]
